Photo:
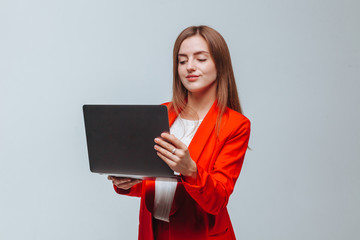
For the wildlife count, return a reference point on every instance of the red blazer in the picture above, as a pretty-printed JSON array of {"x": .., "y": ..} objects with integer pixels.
[{"x": 199, "y": 210}]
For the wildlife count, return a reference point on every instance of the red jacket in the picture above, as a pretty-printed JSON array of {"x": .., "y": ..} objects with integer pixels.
[{"x": 199, "y": 211}]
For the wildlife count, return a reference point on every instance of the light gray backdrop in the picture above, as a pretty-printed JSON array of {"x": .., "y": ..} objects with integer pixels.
[{"x": 297, "y": 68}]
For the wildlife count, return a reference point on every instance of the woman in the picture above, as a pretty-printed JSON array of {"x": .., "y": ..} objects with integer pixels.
[{"x": 207, "y": 145}]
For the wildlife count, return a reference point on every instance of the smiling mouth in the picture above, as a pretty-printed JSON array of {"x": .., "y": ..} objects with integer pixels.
[{"x": 192, "y": 77}]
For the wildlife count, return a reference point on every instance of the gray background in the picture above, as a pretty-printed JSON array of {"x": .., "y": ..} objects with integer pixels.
[{"x": 297, "y": 65}]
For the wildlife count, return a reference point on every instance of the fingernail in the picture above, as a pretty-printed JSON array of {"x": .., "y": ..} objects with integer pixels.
[
  {"x": 163, "y": 134},
  {"x": 156, "y": 140}
]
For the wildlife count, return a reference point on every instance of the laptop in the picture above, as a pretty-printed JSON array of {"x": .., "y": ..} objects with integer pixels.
[{"x": 120, "y": 140}]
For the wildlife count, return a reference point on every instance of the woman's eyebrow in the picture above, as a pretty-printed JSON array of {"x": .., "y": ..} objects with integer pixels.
[{"x": 196, "y": 53}]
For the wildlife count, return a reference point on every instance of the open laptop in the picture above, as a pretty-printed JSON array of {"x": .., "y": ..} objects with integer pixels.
[{"x": 120, "y": 139}]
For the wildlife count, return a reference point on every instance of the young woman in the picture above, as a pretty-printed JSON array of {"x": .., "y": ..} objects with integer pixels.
[{"x": 208, "y": 140}]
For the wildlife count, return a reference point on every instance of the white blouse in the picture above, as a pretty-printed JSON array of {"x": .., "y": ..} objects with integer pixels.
[{"x": 165, "y": 188}]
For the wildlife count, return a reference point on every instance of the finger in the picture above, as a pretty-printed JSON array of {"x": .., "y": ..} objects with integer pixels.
[
  {"x": 121, "y": 183},
  {"x": 164, "y": 144},
  {"x": 130, "y": 184},
  {"x": 173, "y": 140},
  {"x": 169, "y": 155},
  {"x": 118, "y": 181},
  {"x": 111, "y": 177},
  {"x": 170, "y": 163}
]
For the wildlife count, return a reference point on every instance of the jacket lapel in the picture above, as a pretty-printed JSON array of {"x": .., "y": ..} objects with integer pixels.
[{"x": 203, "y": 133}]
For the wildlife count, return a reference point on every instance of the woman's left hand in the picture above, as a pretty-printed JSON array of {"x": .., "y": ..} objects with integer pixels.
[{"x": 175, "y": 154}]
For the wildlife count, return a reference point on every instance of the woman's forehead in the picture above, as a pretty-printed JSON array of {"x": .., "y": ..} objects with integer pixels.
[{"x": 194, "y": 45}]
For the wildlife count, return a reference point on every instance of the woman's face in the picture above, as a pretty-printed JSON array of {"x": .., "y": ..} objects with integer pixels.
[{"x": 196, "y": 67}]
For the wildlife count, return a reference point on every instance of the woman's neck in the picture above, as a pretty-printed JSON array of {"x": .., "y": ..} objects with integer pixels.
[{"x": 200, "y": 103}]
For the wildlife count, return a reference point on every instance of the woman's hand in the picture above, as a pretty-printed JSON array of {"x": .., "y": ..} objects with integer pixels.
[
  {"x": 176, "y": 155},
  {"x": 124, "y": 183}
]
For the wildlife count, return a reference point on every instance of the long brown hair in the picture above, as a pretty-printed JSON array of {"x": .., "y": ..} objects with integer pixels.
[{"x": 226, "y": 90}]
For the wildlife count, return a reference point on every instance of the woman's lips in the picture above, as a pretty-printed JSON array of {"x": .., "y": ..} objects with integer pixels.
[{"x": 192, "y": 77}]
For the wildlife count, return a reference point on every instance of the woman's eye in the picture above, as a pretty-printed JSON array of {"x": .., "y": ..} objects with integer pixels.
[
  {"x": 202, "y": 59},
  {"x": 182, "y": 62}
]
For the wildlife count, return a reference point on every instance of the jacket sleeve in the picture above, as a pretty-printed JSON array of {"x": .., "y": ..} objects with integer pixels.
[
  {"x": 212, "y": 188},
  {"x": 135, "y": 191}
]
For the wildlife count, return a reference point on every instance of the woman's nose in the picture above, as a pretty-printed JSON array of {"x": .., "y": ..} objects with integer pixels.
[{"x": 190, "y": 66}]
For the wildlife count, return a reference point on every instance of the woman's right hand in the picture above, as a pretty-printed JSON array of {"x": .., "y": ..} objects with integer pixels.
[{"x": 123, "y": 182}]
